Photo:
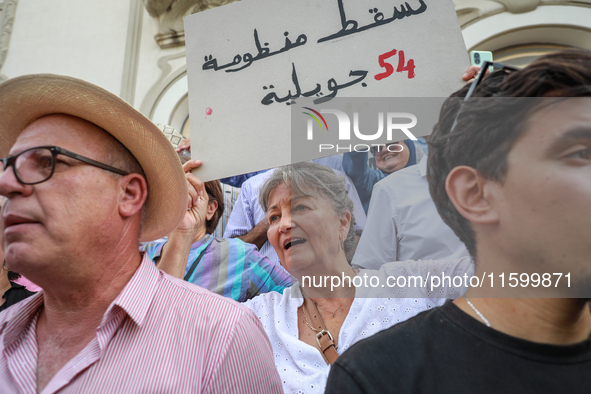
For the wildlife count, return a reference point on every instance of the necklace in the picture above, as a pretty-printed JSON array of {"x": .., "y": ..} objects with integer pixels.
[
  {"x": 322, "y": 334},
  {"x": 334, "y": 314},
  {"x": 478, "y": 312},
  {"x": 307, "y": 322}
]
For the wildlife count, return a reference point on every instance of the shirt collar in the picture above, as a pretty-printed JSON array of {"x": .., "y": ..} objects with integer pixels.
[
  {"x": 134, "y": 299},
  {"x": 137, "y": 295},
  {"x": 423, "y": 166},
  {"x": 201, "y": 242}
]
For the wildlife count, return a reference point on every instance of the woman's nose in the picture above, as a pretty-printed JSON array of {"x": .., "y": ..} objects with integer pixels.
[{"x": 286, "y": 223}]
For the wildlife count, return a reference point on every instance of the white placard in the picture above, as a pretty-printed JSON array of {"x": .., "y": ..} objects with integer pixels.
[{"x": 248, "y": 62}]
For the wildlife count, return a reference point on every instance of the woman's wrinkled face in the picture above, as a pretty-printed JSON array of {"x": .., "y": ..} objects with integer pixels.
[{"x": 304, "y": 230}]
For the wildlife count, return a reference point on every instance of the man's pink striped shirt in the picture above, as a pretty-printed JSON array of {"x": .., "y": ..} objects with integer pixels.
[{"x": 160, "y": 335}]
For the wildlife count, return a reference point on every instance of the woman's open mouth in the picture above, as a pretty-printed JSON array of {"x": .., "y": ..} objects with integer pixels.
[{"x": 292, "y": 242}]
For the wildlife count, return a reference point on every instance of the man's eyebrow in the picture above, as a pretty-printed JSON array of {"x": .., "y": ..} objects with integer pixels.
[{"x": 573, "y": 135}]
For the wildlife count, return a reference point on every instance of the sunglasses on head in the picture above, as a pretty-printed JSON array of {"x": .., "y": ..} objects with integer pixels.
[{"x": 479, "y": 77}]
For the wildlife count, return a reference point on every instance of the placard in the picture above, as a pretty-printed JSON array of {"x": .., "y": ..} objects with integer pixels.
[{"x": 250, "y": 62}]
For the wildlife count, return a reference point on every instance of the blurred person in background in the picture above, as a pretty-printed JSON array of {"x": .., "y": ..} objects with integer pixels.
[
  {"x": 226, "y": 266},
  {"x": 11, "y": 291},
  {"x": 389, "y": 158}
]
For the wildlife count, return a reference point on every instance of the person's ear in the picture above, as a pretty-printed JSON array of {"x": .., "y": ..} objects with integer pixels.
[
  {"x": 472, "y": 195},
  {"x": 345, "y": 219},
  {"x": 212, "y": 206},
  {"x": 134, "y": 191}
]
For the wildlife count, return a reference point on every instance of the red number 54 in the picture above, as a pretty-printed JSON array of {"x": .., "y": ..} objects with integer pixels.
[{"x": 410, "y": 66}]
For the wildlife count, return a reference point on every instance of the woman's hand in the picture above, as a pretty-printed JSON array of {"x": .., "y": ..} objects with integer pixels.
[
  {"x": 197, "y": 202},
  {"x": 175, "y": 252},
  {"x": 185, "y": 144},
  {"x": 471, "y": 73}
]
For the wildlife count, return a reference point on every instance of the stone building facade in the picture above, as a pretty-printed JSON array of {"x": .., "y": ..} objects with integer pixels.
[{"x": 136, "y": 48}]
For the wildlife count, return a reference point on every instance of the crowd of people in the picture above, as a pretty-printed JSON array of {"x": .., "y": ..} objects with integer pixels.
[{"x": 146, "y": 289}]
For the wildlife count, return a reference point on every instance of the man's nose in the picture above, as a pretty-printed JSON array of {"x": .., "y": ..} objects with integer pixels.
[{"x": 9, "y": 184}]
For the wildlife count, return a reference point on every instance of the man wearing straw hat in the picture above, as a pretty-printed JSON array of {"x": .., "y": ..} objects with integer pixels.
[{"x": 86, "y": 178}]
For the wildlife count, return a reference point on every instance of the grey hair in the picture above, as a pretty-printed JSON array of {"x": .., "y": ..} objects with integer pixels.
[
  {"x": 311, "y": 179},
  {"x": 118, "y": 156}
]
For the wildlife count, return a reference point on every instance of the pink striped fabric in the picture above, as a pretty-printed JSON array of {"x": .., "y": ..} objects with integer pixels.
[{"x": 160, "y": 335}]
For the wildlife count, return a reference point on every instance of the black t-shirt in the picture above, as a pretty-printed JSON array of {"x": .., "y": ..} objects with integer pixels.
[
  {"x": 15, "y": 294},
  {"x": 445, "y": 350}
]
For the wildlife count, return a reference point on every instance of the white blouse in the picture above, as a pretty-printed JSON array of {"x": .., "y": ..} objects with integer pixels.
[{"x": 301, "y": 366}]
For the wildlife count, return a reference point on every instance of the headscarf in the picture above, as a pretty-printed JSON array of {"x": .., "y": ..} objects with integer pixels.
[{"x": 412, "y": 160}]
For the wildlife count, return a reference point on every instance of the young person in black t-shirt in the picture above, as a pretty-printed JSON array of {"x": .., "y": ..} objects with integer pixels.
[{"x": 512, "y": 178}]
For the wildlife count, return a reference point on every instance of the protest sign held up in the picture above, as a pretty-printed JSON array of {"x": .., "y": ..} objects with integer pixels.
[{"x": 250, "y": 62}]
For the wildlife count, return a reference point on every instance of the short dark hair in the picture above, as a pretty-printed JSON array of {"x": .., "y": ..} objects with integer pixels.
[
  {"x": 12, "y": 276},
  {"x": 487, "y": 128}
]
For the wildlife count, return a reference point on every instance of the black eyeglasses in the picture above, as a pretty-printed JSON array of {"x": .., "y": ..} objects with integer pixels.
[
  {"x": 36, "y": 165},
  {"x": 479, "y": 77}
]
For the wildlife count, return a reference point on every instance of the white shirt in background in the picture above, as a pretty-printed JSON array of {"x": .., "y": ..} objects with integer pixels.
[{"x": 403, "y": 223}]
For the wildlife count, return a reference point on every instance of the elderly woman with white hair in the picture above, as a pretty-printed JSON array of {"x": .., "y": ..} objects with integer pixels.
[{"x": 310, "y": 228}]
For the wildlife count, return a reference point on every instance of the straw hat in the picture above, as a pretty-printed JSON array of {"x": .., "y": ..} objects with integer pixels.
[{"x": 27, "y": 98}]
